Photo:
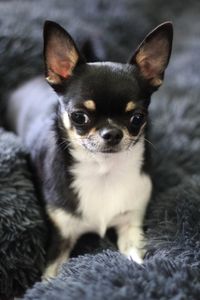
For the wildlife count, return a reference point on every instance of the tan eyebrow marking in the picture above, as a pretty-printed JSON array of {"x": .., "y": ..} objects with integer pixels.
[
  {"x": 89, "y": 104},
  {"x": 130, "y": 106}
]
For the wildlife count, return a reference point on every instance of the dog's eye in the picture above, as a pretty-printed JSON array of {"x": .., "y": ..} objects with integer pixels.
[
  {"x": 79, "y": 118},
  {"x": 137, "y": 119}
]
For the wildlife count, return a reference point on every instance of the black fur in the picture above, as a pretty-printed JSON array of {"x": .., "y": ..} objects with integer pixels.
[{"x": 175, "y": 135}]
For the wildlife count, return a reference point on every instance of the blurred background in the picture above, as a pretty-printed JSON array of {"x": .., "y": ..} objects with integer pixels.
[{"x": 104, "y": 30}]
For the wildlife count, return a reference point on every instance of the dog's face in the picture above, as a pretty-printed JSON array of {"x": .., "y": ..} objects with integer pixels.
[{"x": 104, "y": 106}]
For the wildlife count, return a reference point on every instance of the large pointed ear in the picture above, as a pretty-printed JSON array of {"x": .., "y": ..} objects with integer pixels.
[
  {"x": 61, "y": 55},
  {"x": 153, "y": 54}
]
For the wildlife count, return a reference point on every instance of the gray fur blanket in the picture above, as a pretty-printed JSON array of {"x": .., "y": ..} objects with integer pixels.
[{"x": 171, "y": 268}]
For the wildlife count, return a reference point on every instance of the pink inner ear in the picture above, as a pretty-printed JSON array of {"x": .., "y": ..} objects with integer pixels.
[
  {"x": 61, "y": 58},
  {"x": 152, "y": 57},
  {"x": 149, "y": 69},
  {"x": 61, "y": 68}
]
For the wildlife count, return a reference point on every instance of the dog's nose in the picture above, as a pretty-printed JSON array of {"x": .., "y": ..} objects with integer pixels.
[{"x": 111, "y": 136}]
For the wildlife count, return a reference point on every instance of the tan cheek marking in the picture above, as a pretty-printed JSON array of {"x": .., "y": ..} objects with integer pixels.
[
  {"x": 92, "y": 131},
  {"x": 75, "y": 138},
  {"x": 90, "y": 105},
  {"x": 79, "y": 137},
  {"x": 66, "y": 120},
  {"x": 126, "y": 133},
  {"x": 130, "y": 106},
  {"x": 72, "y": 131}
]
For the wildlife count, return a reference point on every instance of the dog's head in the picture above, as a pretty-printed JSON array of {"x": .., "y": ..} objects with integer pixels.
[{"x": 103, "y": 106}]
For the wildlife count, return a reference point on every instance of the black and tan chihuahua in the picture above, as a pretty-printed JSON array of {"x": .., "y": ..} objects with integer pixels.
[{"x": 87, "y": 138}]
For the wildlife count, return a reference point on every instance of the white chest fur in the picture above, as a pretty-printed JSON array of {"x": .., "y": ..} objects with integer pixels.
[
  {"x": 110, "y": 186},
  {"x": 112, "y": 192}
]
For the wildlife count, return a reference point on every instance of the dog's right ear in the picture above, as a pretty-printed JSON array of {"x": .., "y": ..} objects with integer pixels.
[{"x": 61, "y": 55}]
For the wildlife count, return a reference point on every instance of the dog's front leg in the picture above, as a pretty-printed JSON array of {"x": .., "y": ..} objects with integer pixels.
[
  {"x": 131, "y": 237},
  {"x": 67, "y": 231},
  {"x": 63, "y": 250},
  {"x": 131, "y": 240}
]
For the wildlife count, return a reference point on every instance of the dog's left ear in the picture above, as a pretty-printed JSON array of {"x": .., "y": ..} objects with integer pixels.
[
  {"x": 61, "y": 55},
  {"x": 153, "y": 54}
]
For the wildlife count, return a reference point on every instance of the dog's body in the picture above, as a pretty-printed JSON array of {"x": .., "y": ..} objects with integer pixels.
[{"x": 88, "y": 141}]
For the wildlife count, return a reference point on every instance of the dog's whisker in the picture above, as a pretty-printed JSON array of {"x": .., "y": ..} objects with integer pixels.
[{"x": 153, "y": 146}]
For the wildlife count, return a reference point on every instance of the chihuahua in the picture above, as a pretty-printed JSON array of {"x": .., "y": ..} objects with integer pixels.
[{"x": 86, "y": 131}]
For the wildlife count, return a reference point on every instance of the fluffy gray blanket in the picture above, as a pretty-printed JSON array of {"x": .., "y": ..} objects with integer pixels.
[
  {"x": 22, "y": 229},
  {"x": 171, "y": 269}
]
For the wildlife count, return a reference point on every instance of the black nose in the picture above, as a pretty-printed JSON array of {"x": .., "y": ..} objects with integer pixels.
[{"x": 112, "y": 136}]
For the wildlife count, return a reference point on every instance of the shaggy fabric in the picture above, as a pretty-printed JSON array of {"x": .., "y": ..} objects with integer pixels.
[
  {"x": 111, "y": 276},
  {"x": 22, "y": 228},
  {"x": 171, "y": 269}
]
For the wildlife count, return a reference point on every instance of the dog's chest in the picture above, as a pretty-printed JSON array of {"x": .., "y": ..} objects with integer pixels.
[{"x": 108, "y": 186}]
